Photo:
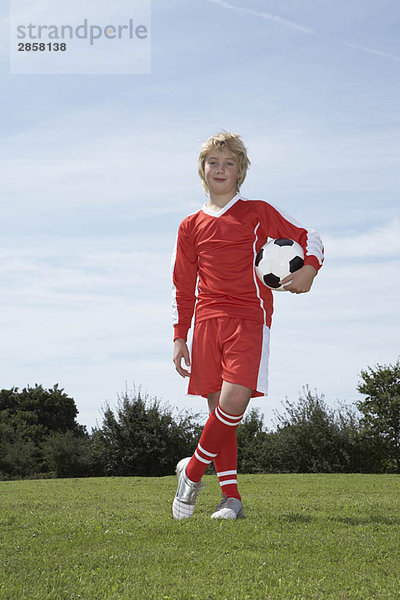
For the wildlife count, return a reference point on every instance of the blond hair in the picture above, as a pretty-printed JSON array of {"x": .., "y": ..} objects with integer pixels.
[{"x": 232, "y": 142}]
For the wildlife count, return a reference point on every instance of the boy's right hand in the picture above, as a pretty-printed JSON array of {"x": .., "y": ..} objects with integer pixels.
[{"x": 181, "y": 351}]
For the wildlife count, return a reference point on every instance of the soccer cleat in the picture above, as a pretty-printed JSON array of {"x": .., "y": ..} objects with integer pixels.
[
  {"x": 187, "y": 492},
  {"x": 229, "y": 508}
]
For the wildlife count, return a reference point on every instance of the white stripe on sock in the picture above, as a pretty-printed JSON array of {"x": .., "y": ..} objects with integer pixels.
[
  {"x": 228, "y": 482},
  {"x": 205, "y": 451},
  {"x": 203, "y": 460},
  {"x": 228, "y": 416},
  {"x": 217, "y": 414},
  {"x": 223, "y": 473}
]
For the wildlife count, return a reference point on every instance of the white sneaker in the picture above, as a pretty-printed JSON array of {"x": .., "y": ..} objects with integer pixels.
[
  {"x": 187, "y": 492},
  {"x": 229, "y": 508}
]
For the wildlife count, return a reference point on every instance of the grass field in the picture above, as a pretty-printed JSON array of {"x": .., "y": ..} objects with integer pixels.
[{"x": 305, "y": 537}]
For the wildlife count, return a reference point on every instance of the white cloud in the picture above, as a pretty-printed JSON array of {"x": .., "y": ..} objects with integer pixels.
[
  {"x": 264, "y": 15},
  {"x": 79, "y": 275},
  {"x": 317, "y": 160},
  {"x": 383, "y": 242},
  {"x": 302, "y": 29},
  {"x": 110, "y": 168},
  {"x": 372, "y": 51}
]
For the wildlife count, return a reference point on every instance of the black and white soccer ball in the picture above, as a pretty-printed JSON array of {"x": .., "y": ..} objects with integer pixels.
[{"x": 277, "y": 259}]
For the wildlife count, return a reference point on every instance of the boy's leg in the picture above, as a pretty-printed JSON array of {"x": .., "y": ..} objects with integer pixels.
[
  {"x": 234, "y": 398},
  {"x": 241, "y": 353},
  {"x": 218, "y": 429},
  {"x": 213, "y": 400},
  {"x": 226, "y": 461}
]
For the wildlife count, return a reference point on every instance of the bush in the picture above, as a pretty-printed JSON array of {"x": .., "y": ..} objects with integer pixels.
[
  {"x": 256, "y": 447},
  {"x": 18, "y": 455},
  {"x": 312, "y": 438},
  {"x": 68, "y": 454},
  {"x": 142, "y": 437},
  {"x": 27, "y": 419},
  {"x": 381, "y": 414}
]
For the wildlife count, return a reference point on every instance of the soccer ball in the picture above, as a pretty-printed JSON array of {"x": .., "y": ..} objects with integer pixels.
[{"x": 277, "y": 259}]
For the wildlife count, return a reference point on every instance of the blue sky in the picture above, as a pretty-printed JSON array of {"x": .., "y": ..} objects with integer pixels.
[{"x": 97, "y": 171}]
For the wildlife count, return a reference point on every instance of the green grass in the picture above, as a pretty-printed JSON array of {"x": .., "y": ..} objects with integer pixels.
[{"x": 305, "y": 537}]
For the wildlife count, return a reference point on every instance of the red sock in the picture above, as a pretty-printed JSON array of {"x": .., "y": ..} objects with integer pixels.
[
  {"x": 226, "y": 467},
  {"x": 216, "y": 433}
]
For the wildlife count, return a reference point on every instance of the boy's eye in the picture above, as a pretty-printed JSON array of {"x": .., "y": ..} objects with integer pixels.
[{"x": 212, "y": 163}]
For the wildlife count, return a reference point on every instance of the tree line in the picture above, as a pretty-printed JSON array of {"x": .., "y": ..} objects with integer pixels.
[{"x": 40, "y": 435}]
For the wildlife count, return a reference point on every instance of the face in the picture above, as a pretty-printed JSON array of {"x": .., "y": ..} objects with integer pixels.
[{"x": 221, "y": 171}]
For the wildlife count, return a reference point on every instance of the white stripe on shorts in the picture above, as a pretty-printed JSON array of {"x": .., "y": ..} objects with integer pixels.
[{"x": 262, "y": 379}]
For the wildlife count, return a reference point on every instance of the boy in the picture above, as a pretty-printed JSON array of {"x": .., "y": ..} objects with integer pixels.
[{"x": 215, "y": 250}]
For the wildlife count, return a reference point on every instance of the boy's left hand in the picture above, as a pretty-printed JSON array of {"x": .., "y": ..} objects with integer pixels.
[{"x": 300, "y": 281}]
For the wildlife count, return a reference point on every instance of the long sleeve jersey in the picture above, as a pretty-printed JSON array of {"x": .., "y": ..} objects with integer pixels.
[{"x": 213, "y": 261}]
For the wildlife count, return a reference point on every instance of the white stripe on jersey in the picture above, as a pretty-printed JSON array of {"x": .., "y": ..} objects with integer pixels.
[
  {"x": 223, "y": 210},
  {"x": 175, "y": 316},
  {"x": 255, "y": 275},
  {"x": 314, "y": 244},
  {"x": 175, "y": 313}
]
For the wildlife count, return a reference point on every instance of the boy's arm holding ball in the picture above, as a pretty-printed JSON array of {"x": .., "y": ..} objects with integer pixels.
[{"x": 300, "y": 281}]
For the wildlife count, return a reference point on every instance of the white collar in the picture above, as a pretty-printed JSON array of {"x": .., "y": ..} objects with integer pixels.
[{"x": 218, "y": 213}]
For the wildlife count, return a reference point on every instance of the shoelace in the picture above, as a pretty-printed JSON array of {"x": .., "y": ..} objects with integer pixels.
[
  {"x": 195, "y": 491},
  {"x": 222, "y": 502}
]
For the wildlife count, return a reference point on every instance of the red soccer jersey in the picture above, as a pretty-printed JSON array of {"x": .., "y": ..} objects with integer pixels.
[{"x": 217, "y": 250}]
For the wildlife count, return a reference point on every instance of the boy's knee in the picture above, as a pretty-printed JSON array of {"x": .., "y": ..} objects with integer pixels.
[{"x": 234, "y": 398}]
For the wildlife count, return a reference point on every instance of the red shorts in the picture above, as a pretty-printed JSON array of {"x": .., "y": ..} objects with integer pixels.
[{"x": 229, "y": 349}]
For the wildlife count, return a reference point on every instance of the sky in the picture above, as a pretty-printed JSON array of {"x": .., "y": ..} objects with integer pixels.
[{"x": 97, "y": 172}]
